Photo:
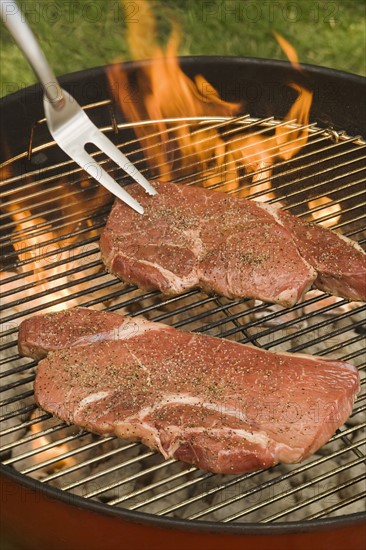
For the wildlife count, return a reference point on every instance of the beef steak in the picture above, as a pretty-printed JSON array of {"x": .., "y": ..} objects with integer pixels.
[
  {"x": 223, "y": 406},
  {"x": 193, "y": 237}
]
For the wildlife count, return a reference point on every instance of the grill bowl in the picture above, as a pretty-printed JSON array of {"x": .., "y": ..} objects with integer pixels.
[{"x": 73, "y": 521}]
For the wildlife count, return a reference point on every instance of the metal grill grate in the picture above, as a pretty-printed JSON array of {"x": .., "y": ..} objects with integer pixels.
[{"x": 52, "y": 216}]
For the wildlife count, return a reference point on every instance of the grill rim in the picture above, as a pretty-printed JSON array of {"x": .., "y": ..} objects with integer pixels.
[
  {"x": 186, "y": 61},
  {"x": 151, "y": 519},
  {"x": 75, "y": 83},
  {"x": 233, "y": 528}
]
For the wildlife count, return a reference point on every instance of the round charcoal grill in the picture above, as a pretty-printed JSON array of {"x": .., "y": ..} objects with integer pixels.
[{"x": 73, "y": 489}]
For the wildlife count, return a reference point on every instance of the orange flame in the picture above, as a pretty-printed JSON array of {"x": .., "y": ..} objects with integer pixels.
[
  {"x": 25, "y": 223},
  {"x": 52, "y": 453},
  {"x": 167, "y": 93},
  {"x": 290, "y": 142},
  {"x": 241, "y": 162},
  {"x": 289, "y": 51},
  {"x": 332, "y": 212},
  {"x": 26, "y": 244},
  {"x": 40, "y": 246}
]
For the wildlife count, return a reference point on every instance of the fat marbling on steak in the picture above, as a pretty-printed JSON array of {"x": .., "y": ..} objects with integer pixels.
[
  {"x": 223, "y": 406},
  {"x": 193, "y": 237}
]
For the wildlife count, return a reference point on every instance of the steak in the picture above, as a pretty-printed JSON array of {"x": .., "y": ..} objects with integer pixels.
[
  {"x": 193, "y": 237},
  {"x": 223, "y": 406}
]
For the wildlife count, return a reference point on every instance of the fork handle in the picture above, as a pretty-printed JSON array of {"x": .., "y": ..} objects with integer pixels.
[{"x": 15, "y": 21}]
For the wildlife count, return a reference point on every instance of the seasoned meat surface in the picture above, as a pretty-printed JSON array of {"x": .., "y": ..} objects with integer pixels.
[
  {"x": 193, "y": 237},
  {"x": 69, "y": 328},
  {"x": 340, "y": 263},
  {"x": 223, "y": 406}
]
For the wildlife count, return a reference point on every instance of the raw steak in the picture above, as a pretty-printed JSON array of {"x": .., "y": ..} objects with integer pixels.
[
  {"x": 193, "y": 237},
  {"x": 223, "y": 406}
]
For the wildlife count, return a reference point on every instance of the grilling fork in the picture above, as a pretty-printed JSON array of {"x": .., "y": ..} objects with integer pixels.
[{"x": 68, "y": 124}]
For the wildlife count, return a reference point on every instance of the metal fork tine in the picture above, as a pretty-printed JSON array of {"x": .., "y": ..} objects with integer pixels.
[
  {"x": 105, "y": 145},
  {"x": 96, "y": 171}
]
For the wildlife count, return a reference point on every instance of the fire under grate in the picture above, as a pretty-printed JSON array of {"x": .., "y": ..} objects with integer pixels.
[{"x": 52, "y": 216}]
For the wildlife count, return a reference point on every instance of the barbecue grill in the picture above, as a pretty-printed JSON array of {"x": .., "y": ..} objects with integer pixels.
[{"x": 73, "y": 489}]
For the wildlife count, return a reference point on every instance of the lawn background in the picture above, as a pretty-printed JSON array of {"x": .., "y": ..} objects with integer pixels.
[{"x": 80, "y": 34}]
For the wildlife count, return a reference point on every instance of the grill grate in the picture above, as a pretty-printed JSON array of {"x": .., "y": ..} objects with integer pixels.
[{"x": 52, "y": 216}]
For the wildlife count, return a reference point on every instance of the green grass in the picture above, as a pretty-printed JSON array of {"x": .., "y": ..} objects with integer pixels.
[{"x": 89, "y": 33}]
